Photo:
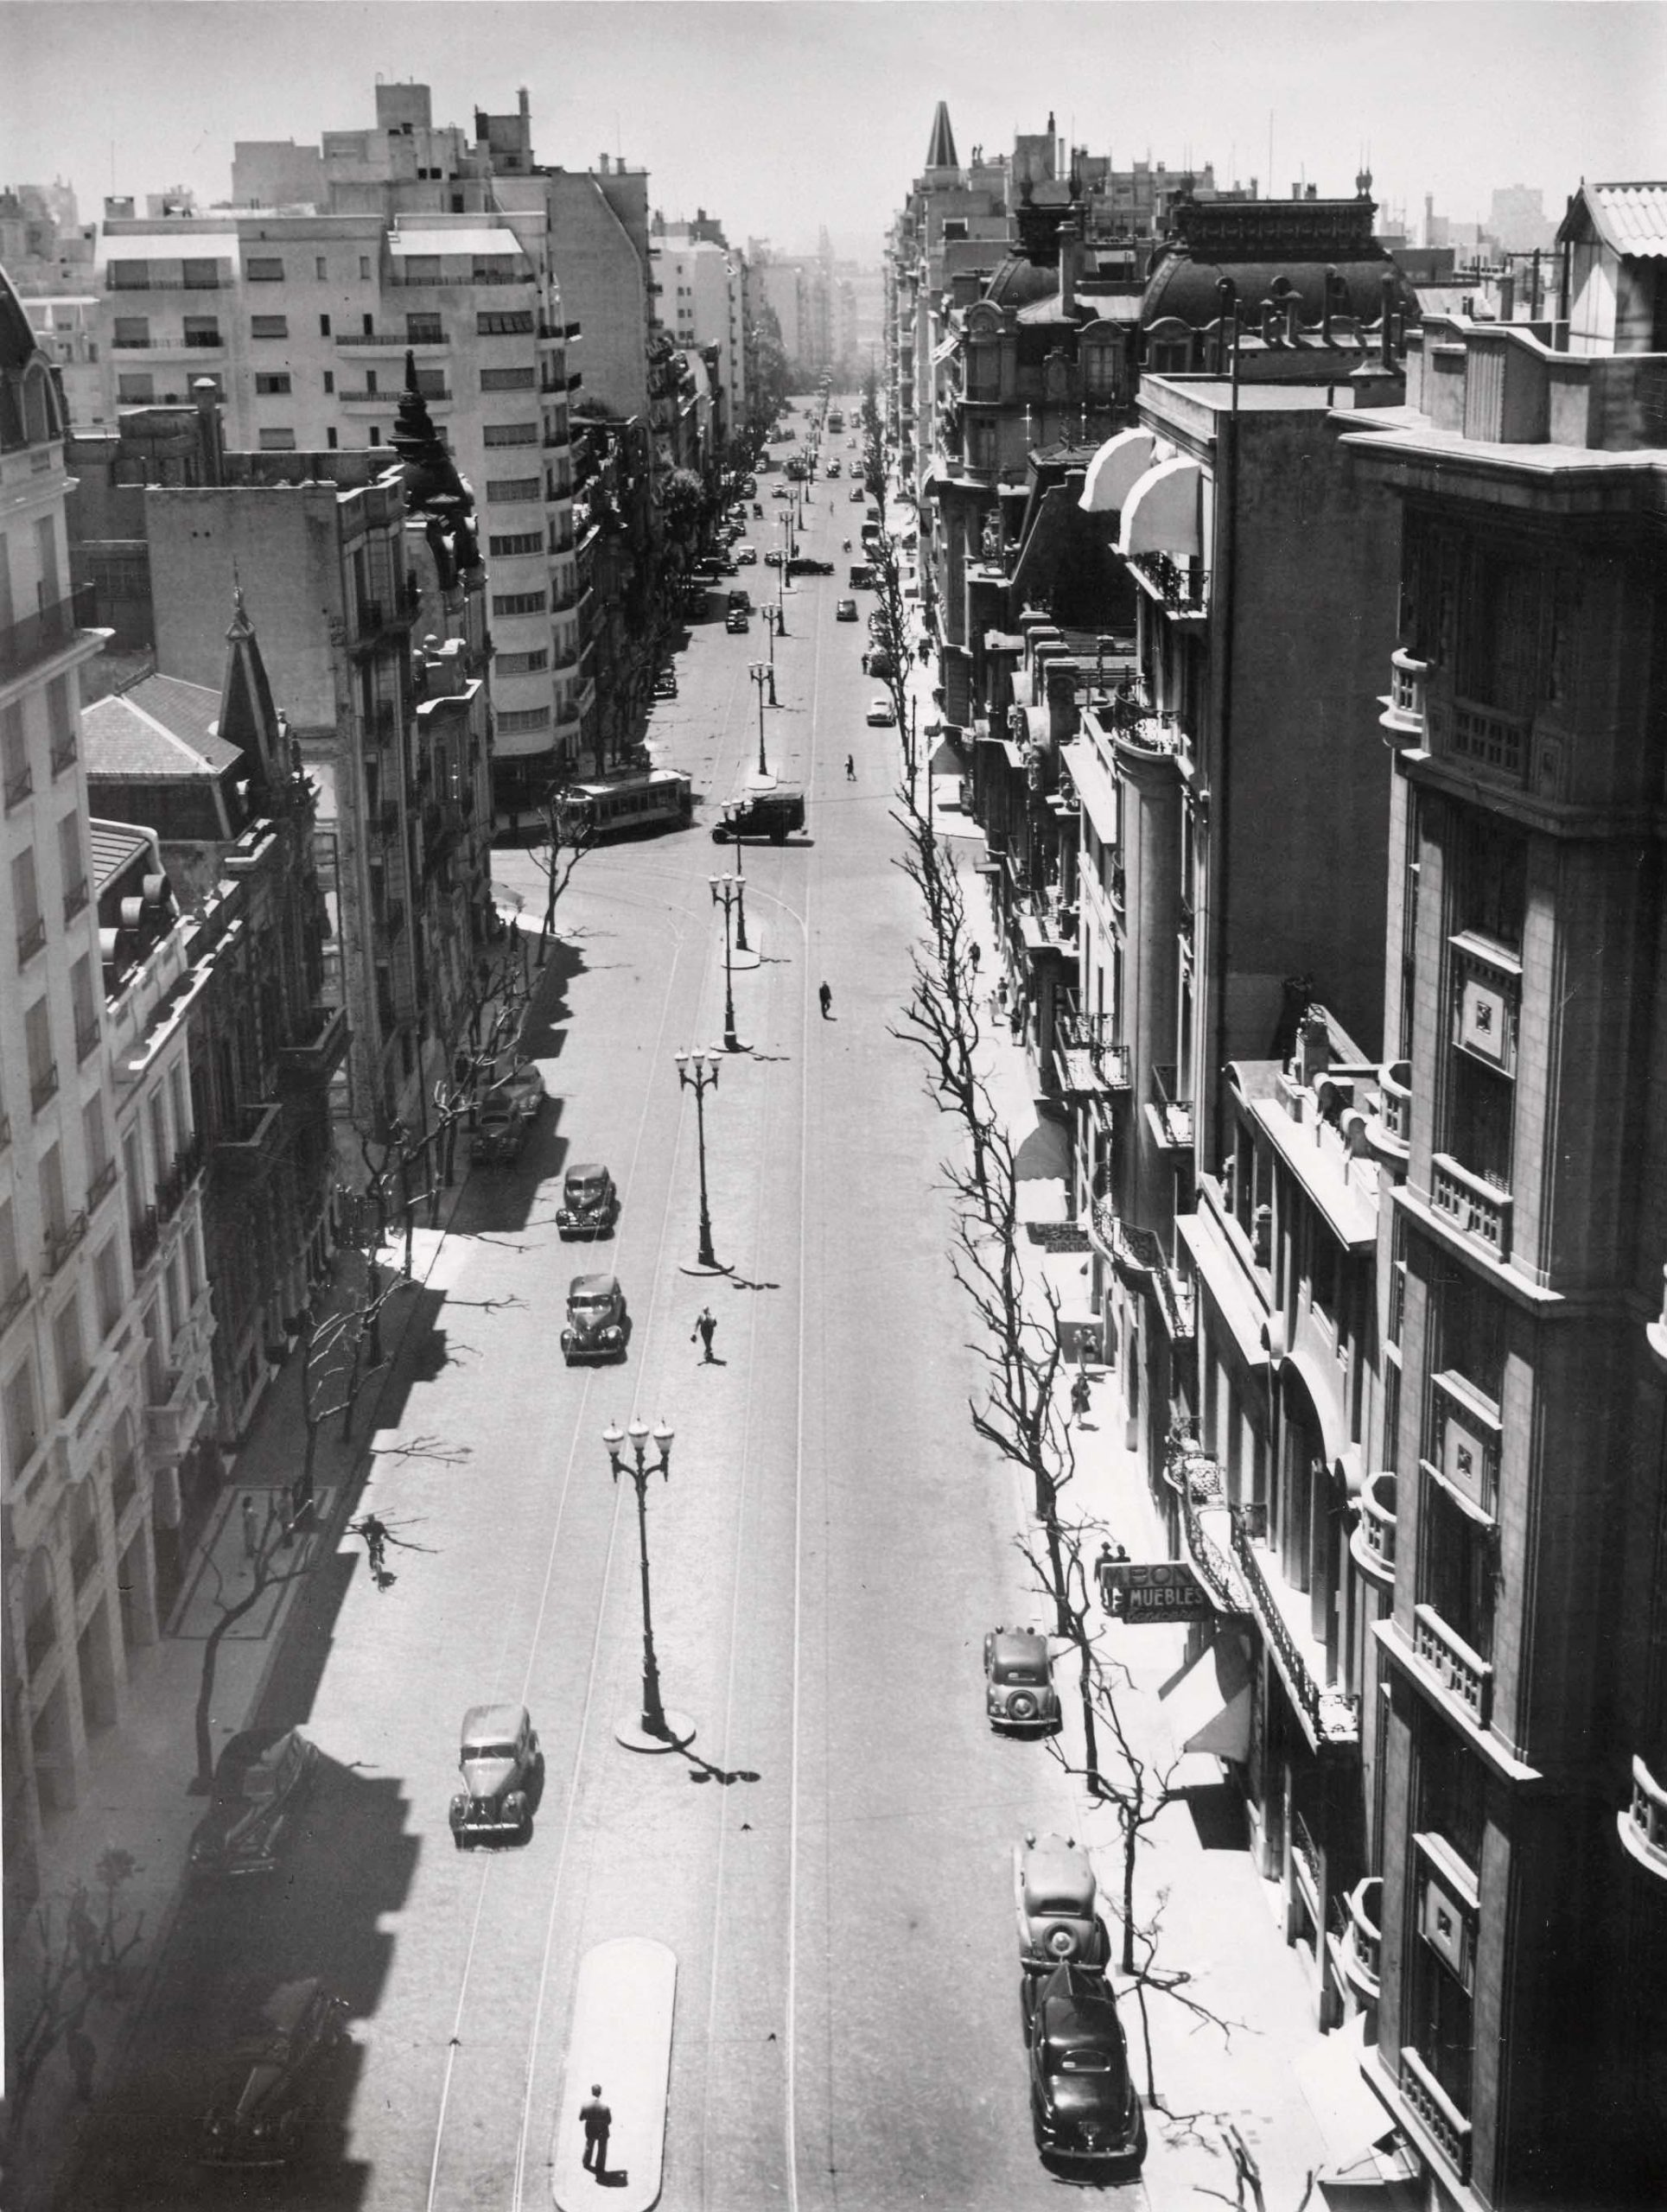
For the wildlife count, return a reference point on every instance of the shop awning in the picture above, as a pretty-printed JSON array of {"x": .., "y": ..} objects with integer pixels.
[
  {"x": 1161, "y": 513},
  {"x": 1115, "y": 470},
  {"x": 1100, "y": 802},
  {"x": 1208, "y": 1707}
]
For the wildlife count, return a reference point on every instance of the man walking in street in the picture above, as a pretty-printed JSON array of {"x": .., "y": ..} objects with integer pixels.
[
  {"x": 597, "y": 2121},
  {"x": 850, "y": 767},
  {"x": 705, "y": 1328},
  {"x": 826, "y": 996}
]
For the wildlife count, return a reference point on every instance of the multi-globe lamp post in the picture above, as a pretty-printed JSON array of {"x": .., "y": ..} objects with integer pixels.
[
  {"x": 654, "y": 1729},
  {"x": 698, "y": 1071},
  {"x": 760, "y": 675},
  {"x": 724, "y": 894}
]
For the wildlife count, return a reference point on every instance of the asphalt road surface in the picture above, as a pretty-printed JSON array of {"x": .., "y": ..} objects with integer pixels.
[{"x": 830, "y": 1858}]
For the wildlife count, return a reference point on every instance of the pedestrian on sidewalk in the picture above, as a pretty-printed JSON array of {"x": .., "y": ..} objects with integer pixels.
[
  {"x": 825, "y": 995},
  {"x": 598, "y": 2119},
  {"x": 82, "y": 2055},
  {"x": 976, "y": 954},
  {"x": 1079, "y": 1398},
  {"x": 376, "y": 1538},
  {"x": 251, "y": 1530},
  {"x": 705, "y": 1328},
  {"x": 850, "y": 768}
]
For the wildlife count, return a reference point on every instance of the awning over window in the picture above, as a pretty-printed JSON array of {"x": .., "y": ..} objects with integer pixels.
[
  {"x": 483, "y": 243},
  {"x": 1161, "y": 513},
  {"x": 1209, "y": 1706},
  {"x": 1099, "y": 800},
  {"x": 1115, "y": 470}
]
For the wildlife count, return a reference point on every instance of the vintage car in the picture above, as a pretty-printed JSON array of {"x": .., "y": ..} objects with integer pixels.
[
  {"x": 803, "y": 565},
  {"x": 666, "y": 684},
  {"x": 860, "y": 576},
  {"x": 261, "y": 1783},
  {"x": 590, "y": 1205},
  {"x": 780, "y": 492},
  {"x": 878, "y": 662},
  {"x": 1054, "y": 1895},
  {"x": 1019, "y": 1679},
  {"x": 271, "y": 2081},
  {"x": 1084, "y": 2105},
  {"x": 857, "y": 495},
  {"x": 741, "y": 600},
  {"x": 746, "y": 555},
  {"x": 879, "y": 714},
  {"x": 736, "y": 622},
  {"x": 845, "y": 610},
  {"x": 596, "y": 1319},
  {"x": 500, "y": 1128},
  {"x": 833, "y": 467},
  {"x": 772, "y": 814},
  {"x": 503, "y": 1774}
]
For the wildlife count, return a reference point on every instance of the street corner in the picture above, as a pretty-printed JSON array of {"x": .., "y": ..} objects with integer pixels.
[{"x": 610, "y": 2125}]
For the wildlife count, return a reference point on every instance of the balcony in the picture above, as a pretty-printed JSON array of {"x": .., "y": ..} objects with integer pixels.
[
  {"x": 74, "y": 898},
  {"x": 1643, "y": 1825},
  {"x": 1395, "y": 1107},
  {"x": 86, "y": 1039},
  {"x": 101, "y": 1186},
  {"x": 1461, "y": 1671},
  {"x": 1171, "y": 1114},
  {"x": 1402, "y": 720},
  {"x": 257, "y": 1142},
  {"x": 1372, "y": 1544},
  {"x": 31, "y": 939},
  {"x": 391, "y": 338},
  {"x": 18, "y": 788},
  {"x": 1332, "y": 1717},
  {"x": 316, "y": 1049},
  {"x": 1177, "y": 585},
  {"x": 374, "y": 619},
  {"x": 43, "y": 1087},
  {"x": 14, "y": 1301},
  {"x": 1441, "y": 2120},
  {"x": 38, "y": 637},
  {"x": 62, "y": 755},
  {"x": 143, "y": 1236},
  {"x": 1091, "y": 1063},
  {"x": 171, "y": 1426},
  {"x": 61, "y": 1242},
  {"x": 1361, "y": 1956},
  {"x": 1481, "y": 1209},
  {"x": 1490, "y": 739}
]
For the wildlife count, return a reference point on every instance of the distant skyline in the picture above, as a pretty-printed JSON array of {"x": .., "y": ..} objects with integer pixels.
[{"x": 778, "y": 117}]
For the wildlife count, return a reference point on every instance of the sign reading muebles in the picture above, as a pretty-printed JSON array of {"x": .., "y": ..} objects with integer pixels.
[{"x": 1166, "y": 1592}]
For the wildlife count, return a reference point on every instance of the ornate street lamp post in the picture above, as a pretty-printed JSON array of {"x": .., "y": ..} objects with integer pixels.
[
  {"x": 781, "y": 577},
  {"x": 698, "y": 1071},
  {"x": 759, "y": 672},
  {"x": 723, "y": 895},
  {"x": 655, "y": 1729},
  {"x": 770, "y": 632}
]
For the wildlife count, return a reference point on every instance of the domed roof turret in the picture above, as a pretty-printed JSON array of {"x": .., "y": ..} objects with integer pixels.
[
  {"x": 31, "y": 408},
  {"x": 1256, "y": 243}
]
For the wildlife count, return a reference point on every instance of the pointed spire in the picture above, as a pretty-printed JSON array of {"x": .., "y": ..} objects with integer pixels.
[
  {"x": 941, "y": 154},
  {"x": 248, "y": 718}
]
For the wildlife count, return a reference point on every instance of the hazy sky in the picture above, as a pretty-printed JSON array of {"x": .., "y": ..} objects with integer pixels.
[{"x": 777, "y": 117}]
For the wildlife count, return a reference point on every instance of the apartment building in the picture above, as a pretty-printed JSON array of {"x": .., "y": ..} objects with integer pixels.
[
  {"x": 73, "y": 1481},
  {"x": 700, "y": 291}
]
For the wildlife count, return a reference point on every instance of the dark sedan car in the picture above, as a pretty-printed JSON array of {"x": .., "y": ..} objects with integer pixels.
[
  {"x": 1019, "y": 1677},
  {"x": 1084, "y": 2105},
  {"x": 596, "y": 1319},
  {"x": 272, "y": 2077},
  {"x": 260, "y": 1784}
]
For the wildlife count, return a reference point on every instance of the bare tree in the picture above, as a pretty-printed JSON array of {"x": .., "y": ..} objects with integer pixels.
[
  {"x": 59, "y": 1962},
  {"x": 567, "y": 836}
]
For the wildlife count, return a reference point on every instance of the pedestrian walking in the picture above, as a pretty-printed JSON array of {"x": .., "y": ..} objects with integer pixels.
[
  {"x": 1079, "y": 1398},
  {"x": 376, "y": 1538},
  {"x": 598, "y": 2119},
  {"x": 977, "y": 955},
  {"x": 82, "y": 2054},
  {"x": 850, "y": 768},
  {"x": 705, "y": 1328},
  {"x": 251, "y": 1530},
  {"x": 825, "y": 993}
]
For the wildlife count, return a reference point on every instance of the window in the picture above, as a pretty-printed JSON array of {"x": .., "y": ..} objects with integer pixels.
[
  {"x": 263, "y": 269},
  {"x": 519, "y": 602},
  {"x": 131, "y": 330},
  {"x": 268, "y": 326},
  {"x": 1502, "y": 622},
  {"x": 1480, "y": 1104},
  {"x": 510, "y": 434},
  {"x": 376, "y": 435},
  {"x": 506, "y": 380},
  {"x": 984, "y": 371},
  {"x": 42, "y": 1071},
  {"x": 521, "y": 663},
  {"x": 202, "y": 330},
  {"x": 273, "y": 385},
  {"x": 205, "y": 276},
  {"x": 324, "y": 325},
  {"x": 504, "y": 323},
  {"x": 13, "y": 755},
  {"x": 282, "y": 440},
  {"x": 95, "y": 1137},
  {"x": 497, "y": 269},
  {"x": 128, "y": 276},
  {"x": 365, "y": 270},
  {"x": 503, "y": 491},
  {"x": 135, "y": 390},
  {"x": 425, "y": 330},
  {"x": 329, "y": 380},
  {"x": 320, "y": 269},
  {"x": 432, "y": 383},
  {"x": 1490, "y": 872},
  {"x": 25, "y": 906},
  {"x": 69, "y": 1354},
  {"x": 61, "y": 726},
  {"x": 54, "y": 1214},
  {"x": 529, "y": 541},
  {"x": 330, "y": 439},
  {"x": 1323, "y": 1273},
  {"x": 1470, "y": 1332},
  {"x": 10, "y": 1272},
  {"x": 85, "y": 1007},
  {"x": 524, "y": 718}
]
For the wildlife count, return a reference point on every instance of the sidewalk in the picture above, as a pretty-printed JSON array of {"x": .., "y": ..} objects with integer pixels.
[
  {"x": 1221, "y": 1925},
  {"x": 135, "y": 1797}
]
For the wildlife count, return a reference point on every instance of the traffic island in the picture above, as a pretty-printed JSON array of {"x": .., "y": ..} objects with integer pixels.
[{"x": 618, "y": 2055}]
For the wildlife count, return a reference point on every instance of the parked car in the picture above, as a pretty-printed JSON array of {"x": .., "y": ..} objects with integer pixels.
[
  {"x": 857, "y": 495},
  {"x": 1053, "y": 1893},
  {"x": 736, "y": 622},
  {"x": 1018, "y": 1676},
  {"x": 596, "y": 1319},
  {"x": 665, "y": 684},
  {"x": 833, "y": 467},
  {"x": 1084, "y": 2105},
  {"x": 880, "y": 715},
  {"x": 861, "y": 577},
  {"x": 773, "y": 558},
  {"x": 761, "y": 814},
  {"x": 262, "y": 1779},
  {"x": 590, "y": 1205},
  {"x": 499, "y": 1134},
  {"x": 503, "y": 1773},
  {"x": 845, "y": 611},
  {"x": 780, "y": 492},
  {"x": 261, "y": 2113},
  {"x": 803, "y": 565},
  {"x": 746, "y": 555},
  {"x": 742, "y": 599}
]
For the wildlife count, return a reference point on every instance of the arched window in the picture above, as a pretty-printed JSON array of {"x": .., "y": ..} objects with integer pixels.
[{"x": 40, "y": 405}]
